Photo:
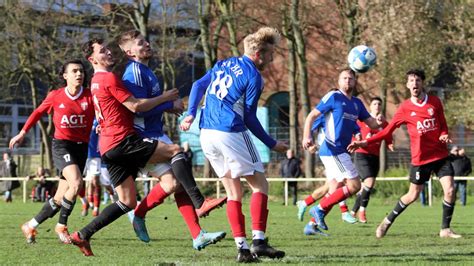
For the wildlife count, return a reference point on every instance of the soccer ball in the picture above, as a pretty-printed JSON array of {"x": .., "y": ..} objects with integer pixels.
[{"x": 361, "y": 58}]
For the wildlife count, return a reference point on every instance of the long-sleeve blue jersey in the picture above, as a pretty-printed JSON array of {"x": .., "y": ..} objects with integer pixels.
[
  {"x": 232, "y": 87},
  {"x": 340, "y": 116},
  {"x": 143, "y": 83}
]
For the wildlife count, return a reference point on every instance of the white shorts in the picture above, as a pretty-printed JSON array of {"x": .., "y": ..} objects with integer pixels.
[
  {"x": 231, "y": 151},
  {"x": 157, "y": 169},
  {"x": 104, "y": 176},
  {"x": 339, "y": 167},
  {"x": 93, "y": 167}
]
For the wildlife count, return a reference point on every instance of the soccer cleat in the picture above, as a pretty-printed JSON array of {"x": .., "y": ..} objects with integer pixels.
[
  {"x": 83, "y": 244},
  {"x": 301, "y": 209},
  {"x": 204, "y": 239},
  {"x": 85, "y": 209},
  {"x": 265, "y": 250},
  {"x": 139, "y": 227},
  {"x": 312, "y": 229},
  {"x": 63, "y": 234},
  {"x": 448, "y": 233},
  {"x": 209, "y": 205},
  {"x": 245, "y": 256},
  {"x": 318, "y": 215},
  {"x": 95, "y": 213},
  {"x": 30, "y": 233},
  {"x": 362, "y": 217},
  {"x": 383, "y": 228},
  {"x": 348, "y": 218}
]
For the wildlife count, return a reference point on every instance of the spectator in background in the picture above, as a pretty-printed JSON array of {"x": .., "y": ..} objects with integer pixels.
[
  {"x": 8, "y": 169},
  {"x": 43, "y": 188},
  {"x": 290, "y": 167},
  {"x": 462, "y": 167}
]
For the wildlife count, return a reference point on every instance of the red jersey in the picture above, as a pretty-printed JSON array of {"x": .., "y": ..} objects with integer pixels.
[
  {"x": 366, "y": 132},
  {"x": 72, "y": 115},
  {"x": 425, "y": 123},
  {"x": 116, "y": 121}
]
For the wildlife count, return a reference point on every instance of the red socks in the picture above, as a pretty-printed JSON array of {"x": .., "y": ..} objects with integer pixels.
[
  {"x": 309, "y": 200},
  {"x": 186, "y": 208},
  {"x": 339, "y": 195},
  {"x": 156, "y": 196},
  {"x": 96, "y": 196},
  {"x": 236, "y": 218},
  {"x": 259, "y": 211}
]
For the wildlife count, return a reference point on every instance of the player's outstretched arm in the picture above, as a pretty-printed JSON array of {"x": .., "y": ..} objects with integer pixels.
[
  {"x": 142, "y": 105},
  {"x": 356, "y": 144},
  {"x": 18, "y": 139},
  {"x": 280, "y": 146}
]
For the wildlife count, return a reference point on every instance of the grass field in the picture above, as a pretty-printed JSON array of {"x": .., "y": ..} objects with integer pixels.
[{"x": 411, "y": 240}]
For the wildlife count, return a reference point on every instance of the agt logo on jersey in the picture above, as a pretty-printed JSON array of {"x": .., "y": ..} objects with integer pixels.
[
  {"x": 72, "y": 121},
  {"x": 426, "y": 125}
]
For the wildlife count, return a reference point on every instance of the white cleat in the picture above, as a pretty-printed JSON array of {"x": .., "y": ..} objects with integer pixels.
[{"x": 448, "y": 233}]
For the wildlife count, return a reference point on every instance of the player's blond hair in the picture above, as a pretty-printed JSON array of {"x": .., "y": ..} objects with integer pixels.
[{"x": 259, "y": 40}]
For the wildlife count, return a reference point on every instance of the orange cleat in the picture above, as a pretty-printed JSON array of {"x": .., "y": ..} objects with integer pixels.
[
  {"x": 83, "y": 244},
  {"x": 362, "y": 217},
  {"x": 63, "y": 234},
  {"x": 95, "y": 213},
  {"x": 30, "y": 233},
  {"x": 209, "y": 205},
  {"x": 85, "y": 209}
]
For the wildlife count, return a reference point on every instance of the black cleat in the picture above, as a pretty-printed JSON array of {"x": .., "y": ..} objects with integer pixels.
[
  {"x": 245, "y": 256},
  {"x": 262, "y": 249}
]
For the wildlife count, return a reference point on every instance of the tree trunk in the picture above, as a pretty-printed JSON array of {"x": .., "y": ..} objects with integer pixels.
[
  {"x": 45, "y": 138},
  {"x": 383, "y": 96},
  {"x": 204, "y": 12},
  {"x": 226, "y": 7},
  {"x": 293, "y": 101},
  {"x": 302, "y": 76}
]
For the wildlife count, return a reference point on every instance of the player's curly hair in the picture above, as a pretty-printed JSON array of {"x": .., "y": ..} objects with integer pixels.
[
  {"x": 126, "y": 37},
  {"x": 87, "y": 47},
  {"x": 259, "y": 40},
  {"x": 417, "y": 72}
]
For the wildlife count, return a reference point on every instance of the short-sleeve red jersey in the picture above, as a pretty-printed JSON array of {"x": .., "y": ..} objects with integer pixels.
[
  {"x": 72, "y": 115},
  {"x": 366, "y": 132},
  {"x": 116, "y": 121},
  {"x": 425, "y": 123}
]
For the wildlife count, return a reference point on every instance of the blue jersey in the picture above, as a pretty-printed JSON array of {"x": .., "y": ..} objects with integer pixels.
[
  {"x": 340, "y": 116},
  {"x": 143, "y": 83},
  {"x": 232, "y": 87},
  {"x": 93, "y": 147},
  {"x": 319, "y": 124}
]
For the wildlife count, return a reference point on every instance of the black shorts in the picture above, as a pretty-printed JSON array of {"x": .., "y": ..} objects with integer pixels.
[
  {"x": 67, "y": 152},
  {"x": 422, "y": 173},
  {"x": 131, "y": 154},
  {"x": 367, "y": 165}
]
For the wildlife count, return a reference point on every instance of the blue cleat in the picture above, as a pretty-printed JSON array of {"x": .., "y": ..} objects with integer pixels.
[
  {"x": 348, "y": 218},
  {"x": 318, "y": 214},
  {"x": 301, "y": 209},
  {"x": 204, "y": 239},
  {"x": 139, "y": 227},
  {"x": 312, "y": 229}
]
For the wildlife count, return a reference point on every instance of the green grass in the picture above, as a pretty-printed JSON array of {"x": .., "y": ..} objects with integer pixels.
[{"x": 411, "y": 240}]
